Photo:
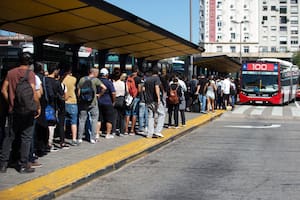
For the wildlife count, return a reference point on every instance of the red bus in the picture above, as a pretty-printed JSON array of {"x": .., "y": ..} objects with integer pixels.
[{"x": 268, "y": 81}]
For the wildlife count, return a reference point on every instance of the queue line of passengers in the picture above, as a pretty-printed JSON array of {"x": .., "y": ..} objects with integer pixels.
[{"x": 144, "y": 99}]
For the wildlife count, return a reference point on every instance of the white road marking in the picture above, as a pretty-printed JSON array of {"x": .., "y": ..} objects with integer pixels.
[
  {"x": 249, "y": 126},
  {"x": 297, "y": 105},
  {"x": 277, "y": 111},
  {"x": 258, "y": 110},
  {"x": 296, "y": 112},
  {"x": 241, "y": 109}
]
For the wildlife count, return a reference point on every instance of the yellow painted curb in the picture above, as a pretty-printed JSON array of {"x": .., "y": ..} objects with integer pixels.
[{"x": 62, "y": 180}]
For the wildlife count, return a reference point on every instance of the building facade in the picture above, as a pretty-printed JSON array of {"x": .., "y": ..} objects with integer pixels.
[{"x": 249, "y": 29}]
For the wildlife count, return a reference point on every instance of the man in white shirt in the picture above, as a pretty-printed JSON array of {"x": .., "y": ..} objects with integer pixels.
[{"x": 226, "y": 90}]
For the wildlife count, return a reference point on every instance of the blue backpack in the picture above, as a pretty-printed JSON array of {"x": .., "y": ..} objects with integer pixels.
[{"x": 87, "y": 92}]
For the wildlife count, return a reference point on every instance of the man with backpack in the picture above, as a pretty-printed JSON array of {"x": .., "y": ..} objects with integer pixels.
[
  {"x": 88, "y": 88},
  {"x": 19, "y": 91},
  {"x": 131, "y": 111},
  {"x": 173, "y": 101}
]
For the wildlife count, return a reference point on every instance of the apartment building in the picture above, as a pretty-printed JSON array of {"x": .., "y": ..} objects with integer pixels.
[{"x": 249, "y": 29}]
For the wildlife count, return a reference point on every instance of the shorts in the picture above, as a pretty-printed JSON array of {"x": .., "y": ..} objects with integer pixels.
[
  {"x": 106, "y": 113},
  {"x": 72, "y": 113},
  {"x": 134, "y": 111}
]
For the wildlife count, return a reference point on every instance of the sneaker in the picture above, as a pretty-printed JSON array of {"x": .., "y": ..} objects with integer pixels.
[
  {"x": 131, "y": 134},
  {"x": 64, "y": 146},
  {"x": 184, "y": 125},
  {"x": 53, "y": 149},
  {"x": 74, "y": 143},
  {"x": 92, "y": 141},
  {"x": 26, "y": 169},
  {"x": 97, "y": 136},
  {"x": 35, "y": 165},
  {"x": 159, "y": 135},
  {"x": 176, "y": 127},
  {"x": 109, "y": 136},
  {"x": 79, "y": 141},
  {"x": 126, "y": 133}
]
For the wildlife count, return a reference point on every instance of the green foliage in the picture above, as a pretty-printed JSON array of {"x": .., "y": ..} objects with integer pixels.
[{"x": 296, "y": 58}]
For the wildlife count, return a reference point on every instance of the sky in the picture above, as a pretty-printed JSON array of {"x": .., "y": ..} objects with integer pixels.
[{"x": 171, "y": 15}]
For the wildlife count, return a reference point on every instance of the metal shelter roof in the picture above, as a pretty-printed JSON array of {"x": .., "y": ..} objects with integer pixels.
[
  {"x": 93, "y": 23},
  {"x": 221, "y": 63}
]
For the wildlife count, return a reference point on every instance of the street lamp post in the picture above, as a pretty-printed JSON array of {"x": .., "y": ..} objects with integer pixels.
[
  {"x": 240, "y": 23},
  {"x": 190, "y": 70}
]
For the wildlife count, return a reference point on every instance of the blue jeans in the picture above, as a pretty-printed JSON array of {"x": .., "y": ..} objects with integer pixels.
[
  {"x": 202, "y": 99},
  {"x": 232, "y": 100},
  {"x": 91, "y": 113},
  {"x": 143, "y": 117}
]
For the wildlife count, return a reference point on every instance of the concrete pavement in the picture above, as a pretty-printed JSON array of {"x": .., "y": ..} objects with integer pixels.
[{"x": 67, "y": 169}]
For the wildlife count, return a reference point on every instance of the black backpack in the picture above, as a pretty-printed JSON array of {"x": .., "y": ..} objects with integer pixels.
[
  {"x": 87, "y": 92},
  {"x": 24, "y": 101}
]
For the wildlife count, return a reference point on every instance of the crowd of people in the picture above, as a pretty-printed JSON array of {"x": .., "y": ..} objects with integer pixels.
[{"x": 100, "y": 104}]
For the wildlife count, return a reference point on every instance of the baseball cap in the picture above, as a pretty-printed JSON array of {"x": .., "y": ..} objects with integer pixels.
[{"x": 104, "y": 71}]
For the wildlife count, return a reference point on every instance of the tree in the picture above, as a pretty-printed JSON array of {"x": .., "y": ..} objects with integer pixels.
[{"x": 296, "y": 58}]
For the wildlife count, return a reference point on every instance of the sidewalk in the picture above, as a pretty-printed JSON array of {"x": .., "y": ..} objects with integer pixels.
[{"x": 67, "y": 169}]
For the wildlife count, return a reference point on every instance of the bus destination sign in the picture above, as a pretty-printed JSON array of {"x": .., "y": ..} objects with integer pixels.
[{"x": 260, "y": 66}]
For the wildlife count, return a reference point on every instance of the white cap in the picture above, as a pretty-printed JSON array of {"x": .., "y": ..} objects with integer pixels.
[{"x": 104, "y": 71}]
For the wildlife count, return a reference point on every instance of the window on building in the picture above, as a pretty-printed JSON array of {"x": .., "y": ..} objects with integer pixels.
[
  {"x": 283, "y": 28},
  {"x": 219, "y": 36},
  {"x": 264, "y": 49},
  {"x": 283, "y": 49},
  {"x": 294, "y": 9},
  {"x": 282, "y": 40},
  {"x": 232, "y": 36},
  {"x": 219, "y": 23},
  {"x": 265, "y": 8},
  {"x": 265, "y": 28},
  {"x": 273, "y": 8},
  {"x": 232, "y": 6},
  {"x": 265, "y": 38},
  {"x": 232, "y": 49},
  {"x": 273, "y": 49},
  {"x": 219, "y": 4},
  {"x": 273, "y": 38},
  {"x": 294, "y": 40},
  {"x": 283, "y": 19},
  {"x": 273, "y": 28},
  {"x": 246, "y": 49},
  {"x": 294, "y": 20},
  {"x": 294, "y": 1},
  {"x": 294, "y": 30},
  {"x": 273, "y": 18},
  {"x": 283, "y": 1},
  {"x": 265, "y": 18},
  {"x": 246, "y": 36},
  {"x": 283, "y": 10},
  {"x": 219, "y": 49}
]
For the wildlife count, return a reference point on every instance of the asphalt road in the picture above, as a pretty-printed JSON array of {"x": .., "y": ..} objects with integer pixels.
[{"x": 231, "y": 158}]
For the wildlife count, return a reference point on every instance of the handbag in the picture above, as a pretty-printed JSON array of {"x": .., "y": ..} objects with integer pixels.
[
  {"x": 129, "y": 100},
  {"x": 50, "y": 113},
  {"x": 120, "y": 102}
]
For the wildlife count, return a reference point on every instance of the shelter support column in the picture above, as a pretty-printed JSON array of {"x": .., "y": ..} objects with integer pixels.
[
  {"x": 75, "y": 57},
  {"x": 38, "y": 49},
  {"x": 123, "y": 59},
  {"x": 140, "y": 62},
  {"x": 102, "y": 57}
]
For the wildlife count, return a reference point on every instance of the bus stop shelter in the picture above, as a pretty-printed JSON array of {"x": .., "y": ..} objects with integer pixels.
[
  {"x": 222, "y": 64},
  {"x": 92, "y": 23}
]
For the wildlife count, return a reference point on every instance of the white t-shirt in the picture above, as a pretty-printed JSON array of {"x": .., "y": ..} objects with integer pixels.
[
  {"x": 226, "y": 86},
  {"x": 38, "y": 83},
  {"x": 119, "y": 87}
]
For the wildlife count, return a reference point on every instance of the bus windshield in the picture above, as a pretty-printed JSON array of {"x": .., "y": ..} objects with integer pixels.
[{"x": 265, "y": 82}]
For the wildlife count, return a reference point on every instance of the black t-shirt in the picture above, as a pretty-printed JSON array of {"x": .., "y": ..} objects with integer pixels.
[
  {"x": 202, "y": 82},
  {"x": 150, "y": 94},
  {"x": 55, "y": 93}
]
